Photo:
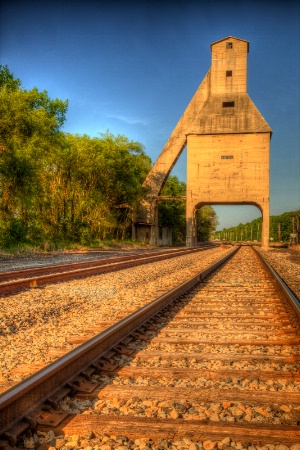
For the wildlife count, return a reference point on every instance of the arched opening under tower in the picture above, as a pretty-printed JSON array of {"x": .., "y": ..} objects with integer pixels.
[{"x": 236, "y": 222}]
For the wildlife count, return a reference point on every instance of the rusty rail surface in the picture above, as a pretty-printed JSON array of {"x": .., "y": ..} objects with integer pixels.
[
  {"x": 285, "y": 289},
  {"x": 19, "y": 404},
  {"x": 19, "y": 273},
  {"x": 87, "y": 268}
]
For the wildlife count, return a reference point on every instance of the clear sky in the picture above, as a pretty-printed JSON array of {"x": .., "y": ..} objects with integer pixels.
[{"x": 132, "y": 67}]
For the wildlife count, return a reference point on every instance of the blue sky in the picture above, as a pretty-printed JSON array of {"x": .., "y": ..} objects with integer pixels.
[{"x": 133, "y": 66}]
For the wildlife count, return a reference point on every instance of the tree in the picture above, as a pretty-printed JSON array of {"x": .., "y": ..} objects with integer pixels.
[
  {"x": 207, "y": 222},
  {"x": 171, "y": 213},
  {"x": 281, "y": 227},
  {"x": 29, "y": 129},
  {"x": 7, "y": 79},
  {"x": 95, "y": 184}
]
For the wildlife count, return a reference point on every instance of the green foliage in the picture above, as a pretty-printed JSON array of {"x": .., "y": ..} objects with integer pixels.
[
  {"x": 207, "y": 222},
  {"x": 12, "y": 232},
  {"x": 95, "y": 184},
  {"x": 282, "y": 226},
  {"x": 280, "y": 229},
  {"x": 171, "y": 213},
  {"x": 57, "y": 187},
  {"x": 7, "y": 79},
  {"x": 60, "y": 188}
]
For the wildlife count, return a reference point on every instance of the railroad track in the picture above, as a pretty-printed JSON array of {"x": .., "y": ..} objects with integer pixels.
[
  {"x": 214, "y": 363},
  {"x": 13, "y": 281}
]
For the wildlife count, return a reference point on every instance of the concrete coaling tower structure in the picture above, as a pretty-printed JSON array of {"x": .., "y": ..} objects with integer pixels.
[{"x": 228, "y": 147}]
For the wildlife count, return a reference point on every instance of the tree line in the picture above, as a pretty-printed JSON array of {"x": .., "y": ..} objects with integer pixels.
[
  {"x": 282, "y": 228},
  {"x": 59, "y": 189}
]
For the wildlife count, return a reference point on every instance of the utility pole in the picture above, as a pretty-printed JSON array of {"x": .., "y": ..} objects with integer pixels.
[
  {"x": 293, "y": 219},
  {"x": 293, "y": 236}
]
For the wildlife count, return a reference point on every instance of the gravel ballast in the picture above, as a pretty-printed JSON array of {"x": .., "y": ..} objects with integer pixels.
[
  {"x": 286, "y": 262},
  {"x": 46, "y": 319},
  {"x": 36, "y": 322}
]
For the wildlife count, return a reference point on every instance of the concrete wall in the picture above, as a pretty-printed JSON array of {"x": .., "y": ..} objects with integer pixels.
[
  {"x": 164, "y": 236},
  {"x": 228, "y": 169},
  {"x": 229, "y": 54},
  {"x": 152, "y": 234},
  {"x": 141, "y": 233}
]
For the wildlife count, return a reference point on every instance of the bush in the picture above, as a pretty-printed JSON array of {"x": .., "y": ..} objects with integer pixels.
[{"x": 12, "y": 233}]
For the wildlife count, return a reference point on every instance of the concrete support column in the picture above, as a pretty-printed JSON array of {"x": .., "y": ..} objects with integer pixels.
[
  {"x": 194, "y": 243},
  {"x": 133, "y": 231},
  {"x": 154, "y": 235},
  {"x": 265, "y": 232},
  {"x": 191, "y": 235},
  {"x": 154, "y": 226}
]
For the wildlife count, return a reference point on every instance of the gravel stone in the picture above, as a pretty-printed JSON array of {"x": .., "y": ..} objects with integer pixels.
[
  {"x": 120, "y": 294},
  {"x": 36, "y": 324}
]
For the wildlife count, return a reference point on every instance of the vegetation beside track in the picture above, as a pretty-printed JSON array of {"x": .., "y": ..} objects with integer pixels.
[
  {"x": 60, "y": 191},
  {"x": 282, "y": 228}
]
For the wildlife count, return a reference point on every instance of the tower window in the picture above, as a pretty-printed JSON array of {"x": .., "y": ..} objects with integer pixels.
[
  {"x": 228, "y": 73},
  {"x": 228, "y": 104},
  {"x": 228, "y": 44}
]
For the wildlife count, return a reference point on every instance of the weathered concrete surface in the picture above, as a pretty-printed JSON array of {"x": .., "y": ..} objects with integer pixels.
[
  {"x": 228, "y": 145},
  {"x": 228, "y": 169}
]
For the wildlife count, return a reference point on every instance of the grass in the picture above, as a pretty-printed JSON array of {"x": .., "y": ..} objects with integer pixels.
[{"x": 21, "y": 250}]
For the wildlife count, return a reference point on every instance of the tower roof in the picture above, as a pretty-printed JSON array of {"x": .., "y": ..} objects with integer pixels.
[
  {"x": 243, "y": 117},
  {"x": 230, "y": 37}
]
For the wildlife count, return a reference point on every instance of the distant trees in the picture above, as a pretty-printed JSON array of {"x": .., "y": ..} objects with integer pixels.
[
  {"x": 281, "y": 228},
  {"x": 207, "y": 221},
  {"x": 171, "y": 213}
]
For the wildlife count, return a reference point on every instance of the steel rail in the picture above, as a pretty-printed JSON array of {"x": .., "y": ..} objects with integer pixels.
[
  {"x": 281, "y": 284},
  {"x": 19, "y": 403},
  {"x": 13, "y": 274},
  {"x": 102, "y": 267}
]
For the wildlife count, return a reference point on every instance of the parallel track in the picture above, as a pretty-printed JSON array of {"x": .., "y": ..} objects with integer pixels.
[
  {"x": 11, "y": 282},
  {"x": 222, "y": 362}
]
